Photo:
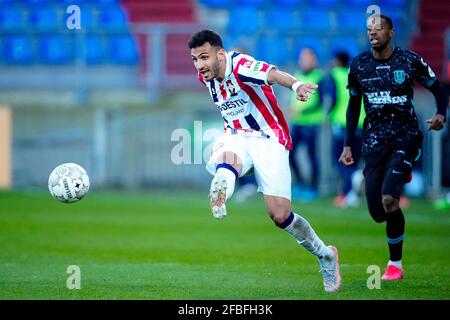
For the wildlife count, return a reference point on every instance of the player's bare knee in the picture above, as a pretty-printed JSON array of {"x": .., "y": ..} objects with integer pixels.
[
  {"x": 279, "y": 211},
  {"x": 390, "y": 204},
  {"x": 279, "y": 215}
]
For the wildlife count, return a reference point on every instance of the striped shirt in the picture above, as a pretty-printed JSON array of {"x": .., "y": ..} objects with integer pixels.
[{"x": 246, "y": 100}]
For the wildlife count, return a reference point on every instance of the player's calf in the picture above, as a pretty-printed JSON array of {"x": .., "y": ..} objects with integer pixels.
[
  {"x": 375, "y": 207},
  {"x": 301, "y": 230}
]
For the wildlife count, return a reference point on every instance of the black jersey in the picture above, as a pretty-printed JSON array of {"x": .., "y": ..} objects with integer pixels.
[{"x": 387, "y": 90}]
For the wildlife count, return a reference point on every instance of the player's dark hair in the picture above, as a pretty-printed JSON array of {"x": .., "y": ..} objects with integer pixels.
[
  {"x": 343, "y": 58},
  {"x": 201, "y": 37},
  {"x": 387, "y": 19}
]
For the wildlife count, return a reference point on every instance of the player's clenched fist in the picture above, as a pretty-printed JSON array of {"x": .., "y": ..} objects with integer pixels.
[
  {"x": 437, "y": 122},
  {"x": 346, "y": 157}
]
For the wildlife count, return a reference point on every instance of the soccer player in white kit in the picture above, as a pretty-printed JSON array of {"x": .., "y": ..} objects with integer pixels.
[{"x": 256, "y": 136}]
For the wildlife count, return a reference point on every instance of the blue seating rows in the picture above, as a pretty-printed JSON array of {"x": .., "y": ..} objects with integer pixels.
[
  {"x": 300, "y": 3},
  {"x": 35, "y": 32},
  {"x": 282, "y": 27},
  {"x": 55, "y": 49}
]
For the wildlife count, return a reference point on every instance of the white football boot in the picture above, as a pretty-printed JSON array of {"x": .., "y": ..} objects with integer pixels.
[
  {"x": 329, "y": 266},
  {"x": 218, "y": 196}
]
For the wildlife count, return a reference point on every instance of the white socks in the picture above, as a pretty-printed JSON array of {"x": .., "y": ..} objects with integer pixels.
[
  {"x": 302, "y": 231},
  {"x": 397, "y": 264},
  {"x": 230, "y": 177}
]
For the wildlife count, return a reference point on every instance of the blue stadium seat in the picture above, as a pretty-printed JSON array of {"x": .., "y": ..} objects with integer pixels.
[
  {"x": 112, "y": 18},
  {"x": 214, "y": 4},
  {"x": 123, "y": 50},
  {"x": 351, "y": 20},
  {"x": 360, "y": 3},
  {"x": 348, "y": 44},
  {"x": 87, "y": 18},
  {"x": 55, "y": 49},
  {"x": 94, "y": 49},
  {"x": 254, "y": 3},
  {"x": 316, "y": 20},
  {"x": 103, "y": 1},
  {"x": 88, "y": 2},
  {"x": 397, "y": 3},
  {"x": 287, "y": 3},
  {"x": 35, "y": 2},
  {"x": 321, "y": 3},
  {"x": 273, "y": 50},
  {"x": 11, "y": 19},
  {"x": 281, "y": 19},
  {"x": 44, "y": 18},
  {"x": 238, "y": 16},
  {"x": 397, "y": 17},
  {"x": 17, "y": 49},
  {"x": 315, "y": 43},
  {"x": 398, "y": 21},
  {"x": 76, "y": 2},
  {"x": 232, "y": 43}
]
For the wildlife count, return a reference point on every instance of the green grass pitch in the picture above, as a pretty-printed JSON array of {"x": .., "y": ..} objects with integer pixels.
[{"x": 153, "y": 245}]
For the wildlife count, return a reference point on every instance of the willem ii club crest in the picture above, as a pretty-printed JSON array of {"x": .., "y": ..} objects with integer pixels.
[
  {"x": 399, "y": 76},
  {"x": 231, "y": 88}
]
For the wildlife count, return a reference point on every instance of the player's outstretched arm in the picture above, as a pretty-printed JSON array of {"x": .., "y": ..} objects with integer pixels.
[{"x": 284, "y": 79}]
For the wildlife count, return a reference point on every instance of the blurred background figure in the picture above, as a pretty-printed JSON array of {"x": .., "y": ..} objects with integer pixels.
[
  {"x": 348, "y": 196},
  {"x": 306, "y": 119}
]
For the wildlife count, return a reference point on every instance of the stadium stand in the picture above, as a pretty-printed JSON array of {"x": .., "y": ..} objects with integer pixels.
[
  {"x": 430, "y": 41},
  {"x": 35, "y": 32},
  {"x": 156, "y": 11},
  {"x": 17, "y": 49},
  {"x": 325, "y": 25},
  {"x": 54, "y": 49}
]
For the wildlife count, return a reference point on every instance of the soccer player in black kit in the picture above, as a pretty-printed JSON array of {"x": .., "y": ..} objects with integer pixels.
[{"x": 392, "y": 140}]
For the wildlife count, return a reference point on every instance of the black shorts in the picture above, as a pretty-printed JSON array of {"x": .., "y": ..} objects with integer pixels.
[{"x": 387, "y": 171}]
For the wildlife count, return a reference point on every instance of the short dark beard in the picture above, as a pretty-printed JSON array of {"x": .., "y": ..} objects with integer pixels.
[
  {"x": 381, "y": 48},
  {"x": 216, "y": 70}
]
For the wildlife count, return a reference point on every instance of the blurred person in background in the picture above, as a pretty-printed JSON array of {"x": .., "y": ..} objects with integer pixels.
[
  {"x": 306, "y": 120},
  {"x": 348, "y": 196}
]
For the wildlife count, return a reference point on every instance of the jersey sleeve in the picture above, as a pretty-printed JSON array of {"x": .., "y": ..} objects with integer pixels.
[
  {"x": 353, "y": 84},
  {"x": 254, "y": 72},
  {"x": 423, "y": 72}
]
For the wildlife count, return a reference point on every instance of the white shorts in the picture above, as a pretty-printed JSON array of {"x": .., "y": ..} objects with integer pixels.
[{"x": 268, "y": 158}]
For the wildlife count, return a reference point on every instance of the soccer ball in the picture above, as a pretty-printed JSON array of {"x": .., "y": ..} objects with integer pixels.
[{"x": 68, "y": 182}]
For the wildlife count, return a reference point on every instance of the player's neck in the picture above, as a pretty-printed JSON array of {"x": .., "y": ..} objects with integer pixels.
[{"x": 384, "y": 53}]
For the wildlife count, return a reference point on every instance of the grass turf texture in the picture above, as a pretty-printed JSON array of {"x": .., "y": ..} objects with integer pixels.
[{"x": 159, "y": 246}]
